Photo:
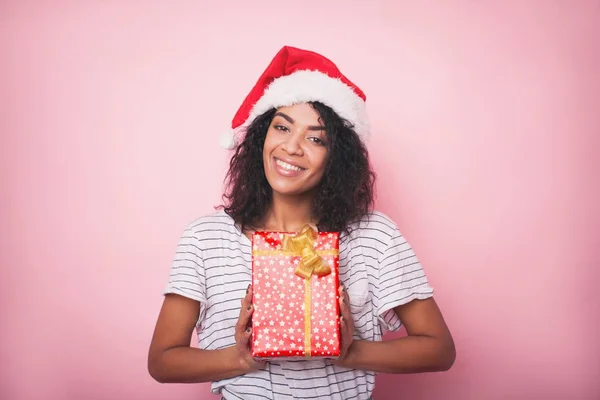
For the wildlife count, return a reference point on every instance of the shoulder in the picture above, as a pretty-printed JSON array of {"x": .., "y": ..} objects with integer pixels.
[
  {"x": 217, "y": 221},
  {"x": 375, "y": 224},
  {"x": 373, "y": 234},
  {"x": 214, "y": 234}
]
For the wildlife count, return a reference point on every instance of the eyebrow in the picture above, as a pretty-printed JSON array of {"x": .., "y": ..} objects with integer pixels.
[{"x": 291, "y": 121}]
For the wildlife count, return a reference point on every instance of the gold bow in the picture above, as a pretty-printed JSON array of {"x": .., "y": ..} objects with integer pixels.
[{"x": 304, "y": 244}]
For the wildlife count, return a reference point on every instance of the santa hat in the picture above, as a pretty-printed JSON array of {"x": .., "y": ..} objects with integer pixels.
[{"x": 298, "y": 76}]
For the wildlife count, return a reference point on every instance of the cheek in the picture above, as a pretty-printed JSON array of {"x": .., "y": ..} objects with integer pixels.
[
  {"x": 320, "y": 163},
  {"x": 267, "y": 146},
  {"x": 271, "y": 142}
]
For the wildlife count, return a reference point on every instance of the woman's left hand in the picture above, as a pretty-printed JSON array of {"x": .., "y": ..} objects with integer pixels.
[{"x": 346, "y": 325}]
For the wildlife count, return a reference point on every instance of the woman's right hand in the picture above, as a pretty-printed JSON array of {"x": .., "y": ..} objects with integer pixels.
[{"x": 243, "y": 333}]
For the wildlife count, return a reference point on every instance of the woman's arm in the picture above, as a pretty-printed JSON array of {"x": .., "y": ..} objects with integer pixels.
[
  {"x": 428, "y": 347},
  {"x": 171, "y": 358}
]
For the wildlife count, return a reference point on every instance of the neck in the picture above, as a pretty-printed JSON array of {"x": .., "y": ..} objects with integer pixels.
[{"x": 289, "y": 213}]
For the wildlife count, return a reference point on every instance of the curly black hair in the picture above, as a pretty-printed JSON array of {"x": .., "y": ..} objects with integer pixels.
[{"x": 345, "y": 194}]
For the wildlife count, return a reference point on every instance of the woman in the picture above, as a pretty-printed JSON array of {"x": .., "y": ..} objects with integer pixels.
[{"x": 302, "y": 159}]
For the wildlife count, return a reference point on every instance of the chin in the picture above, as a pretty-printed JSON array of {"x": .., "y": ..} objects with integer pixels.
[
  {"x": 286, "y": 191},
  {"x": 291, "y": 190}
]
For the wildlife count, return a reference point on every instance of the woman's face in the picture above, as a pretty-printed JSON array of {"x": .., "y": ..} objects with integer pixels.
[{"x": 295, "y": 150}]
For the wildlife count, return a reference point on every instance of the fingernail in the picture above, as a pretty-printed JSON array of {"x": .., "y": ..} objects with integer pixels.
[
  {"x": 248, "y": 330},
  {"x": 249, "y": 308},
  {"x": 341, "y": 318},
  {"x": 248, "y": 289}
]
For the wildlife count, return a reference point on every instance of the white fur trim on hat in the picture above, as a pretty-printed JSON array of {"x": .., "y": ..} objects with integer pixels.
[
  {"x": 305, "y": 86},
  {"x": 228, "y": 140}
]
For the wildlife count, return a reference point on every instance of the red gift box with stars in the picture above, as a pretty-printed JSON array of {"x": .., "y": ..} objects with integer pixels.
[{"x": 295, "y": 284}]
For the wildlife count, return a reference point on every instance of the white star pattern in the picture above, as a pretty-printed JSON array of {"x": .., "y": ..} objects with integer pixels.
[{"x": 279, "y": 296}]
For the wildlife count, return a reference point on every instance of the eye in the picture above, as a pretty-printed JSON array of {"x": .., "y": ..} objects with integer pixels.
[
  {"x": 317, "y": 140},
  {"x": 281, "y": 128}
]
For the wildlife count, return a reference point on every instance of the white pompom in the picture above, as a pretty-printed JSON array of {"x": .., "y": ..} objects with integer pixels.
[{"x": 227, "y": 140}]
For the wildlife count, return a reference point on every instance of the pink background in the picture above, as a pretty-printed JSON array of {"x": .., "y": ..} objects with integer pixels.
[{"x": 486, "y": 122}]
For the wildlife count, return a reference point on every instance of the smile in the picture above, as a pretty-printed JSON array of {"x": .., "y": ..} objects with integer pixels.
[{"x": 288, "y": 167}]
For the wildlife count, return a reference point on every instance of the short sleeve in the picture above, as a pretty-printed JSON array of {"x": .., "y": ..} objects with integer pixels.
[
  {"x": 401, "y": 280},
  {"x": 187, "y": 270}
]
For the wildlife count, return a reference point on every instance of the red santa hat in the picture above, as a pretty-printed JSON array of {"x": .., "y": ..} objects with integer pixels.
[{"x": 299, "y": 76}]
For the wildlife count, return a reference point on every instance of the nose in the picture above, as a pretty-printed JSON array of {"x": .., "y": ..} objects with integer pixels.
[{"x": 292, "y": 145}]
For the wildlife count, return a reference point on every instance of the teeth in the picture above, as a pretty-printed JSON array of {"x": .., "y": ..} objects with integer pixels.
[{"x": 287, "y": 166}]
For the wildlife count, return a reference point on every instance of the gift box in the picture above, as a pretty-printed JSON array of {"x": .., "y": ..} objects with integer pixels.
[{"x": 295, "y": 294}]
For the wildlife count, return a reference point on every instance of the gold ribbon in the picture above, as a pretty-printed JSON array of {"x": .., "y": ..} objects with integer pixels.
[{"x": 303, "y": 244}]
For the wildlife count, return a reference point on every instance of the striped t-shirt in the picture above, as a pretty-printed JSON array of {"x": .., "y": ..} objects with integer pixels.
[{"x": 379, "y": 270}]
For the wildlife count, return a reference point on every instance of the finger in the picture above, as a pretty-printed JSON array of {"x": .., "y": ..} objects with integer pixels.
[
  {"x": 345, "y": 329},
  {"x": 347, "y": 297},
  {"x": 347, "y": 324},
  {"x": 341, "y": 295},
  {"x": 344, "y": 301},
  {"x": 248, "y": 297},
  {"x": 245, "y": 338},
  {"x": 345, "y": 315},
  {"x": 246, "y": 311},
  {"x": 259, "y": 363}
]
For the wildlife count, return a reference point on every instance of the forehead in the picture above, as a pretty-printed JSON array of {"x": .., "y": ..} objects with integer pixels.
[{"x": 302, "y": 114}]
